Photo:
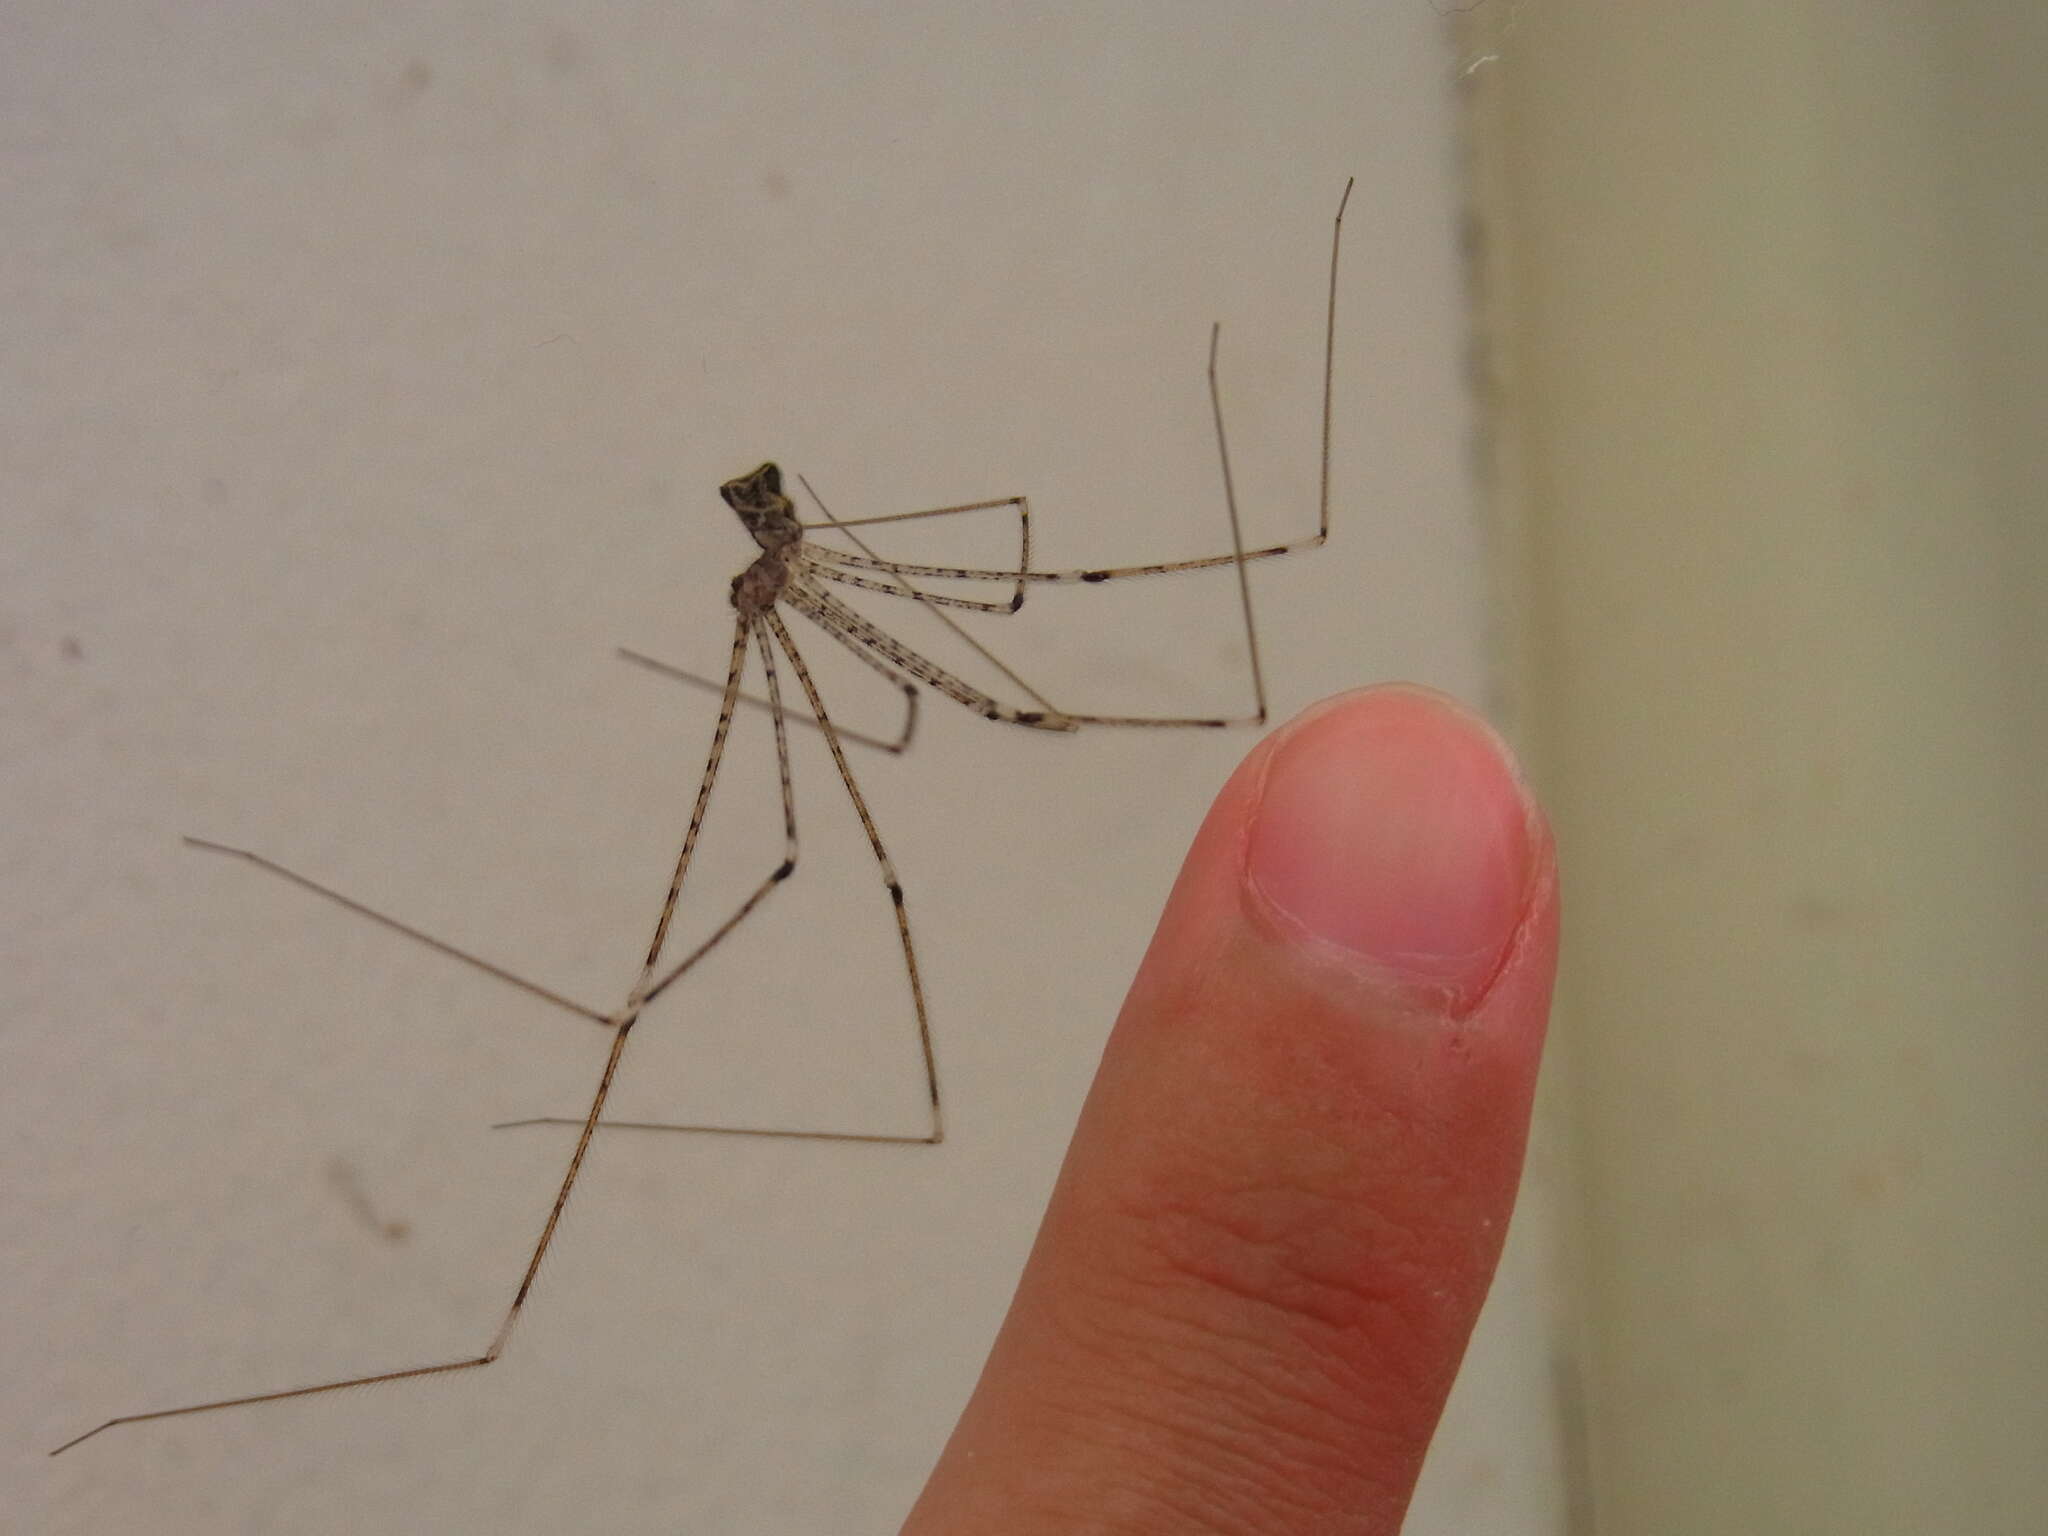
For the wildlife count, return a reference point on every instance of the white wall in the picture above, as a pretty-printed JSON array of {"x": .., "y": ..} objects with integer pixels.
[{"x": 1769, "y": 356}]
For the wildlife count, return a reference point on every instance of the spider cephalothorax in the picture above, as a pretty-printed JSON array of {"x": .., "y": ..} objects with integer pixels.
[{"x": 768, "y": 515}]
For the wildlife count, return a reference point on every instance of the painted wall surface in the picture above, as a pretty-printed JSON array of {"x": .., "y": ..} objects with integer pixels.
[{"x": 1768, "y": 346}]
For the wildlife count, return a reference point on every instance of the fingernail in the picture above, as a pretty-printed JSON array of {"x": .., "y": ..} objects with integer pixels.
[{"x": 1393, "y": 827}]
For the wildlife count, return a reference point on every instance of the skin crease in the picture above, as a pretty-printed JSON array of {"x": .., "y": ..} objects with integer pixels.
[{"x": 1290, "y": 1183}]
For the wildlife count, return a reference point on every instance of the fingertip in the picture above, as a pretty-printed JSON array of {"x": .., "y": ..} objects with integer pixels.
[{"x": 1392, "y": 830}]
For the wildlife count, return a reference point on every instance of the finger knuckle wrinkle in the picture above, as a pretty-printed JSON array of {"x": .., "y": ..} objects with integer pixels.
[{"x": 1278, "y": 1274}]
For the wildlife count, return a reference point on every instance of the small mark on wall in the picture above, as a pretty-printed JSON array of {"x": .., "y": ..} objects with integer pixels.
[
  {"x": 347, "y": 1183},
  {"x": 413, "y": 82}
]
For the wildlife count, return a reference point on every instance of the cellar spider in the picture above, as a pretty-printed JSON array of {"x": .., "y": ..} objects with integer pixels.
[{"x": 794, "y": 572}]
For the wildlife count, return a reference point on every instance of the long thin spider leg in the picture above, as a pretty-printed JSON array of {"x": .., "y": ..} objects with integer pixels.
[
  {"x": 868, "y": 558},
  {"x": 829, "y": 521},
  {"x": 781, "y": 872},
  {"x": 1330, "y": 360},
  {"x": 959, "y": 630},
  {"x": 361, "y": 909},
  {"x": 775, "y": 704},
  {"x": 855, "y": 632},
  {"x": 888, "y": 869},
  {"x": 819, "y": 567},
  {"x": 897, "y": 748},
  {"x": 1244, "y": 583},
  {"x": 1237, "y": 558},
  {"x": 625, "y": 1019},
  {"x": 876, "y": 1138},
  {"x": 970, "y": 573}
]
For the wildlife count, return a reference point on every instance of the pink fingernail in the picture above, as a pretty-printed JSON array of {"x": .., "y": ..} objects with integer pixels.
[{"x": 1393, "y": 825}]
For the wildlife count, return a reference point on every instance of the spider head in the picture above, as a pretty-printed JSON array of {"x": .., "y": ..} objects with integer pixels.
[{"x": 766, "y": 513}]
